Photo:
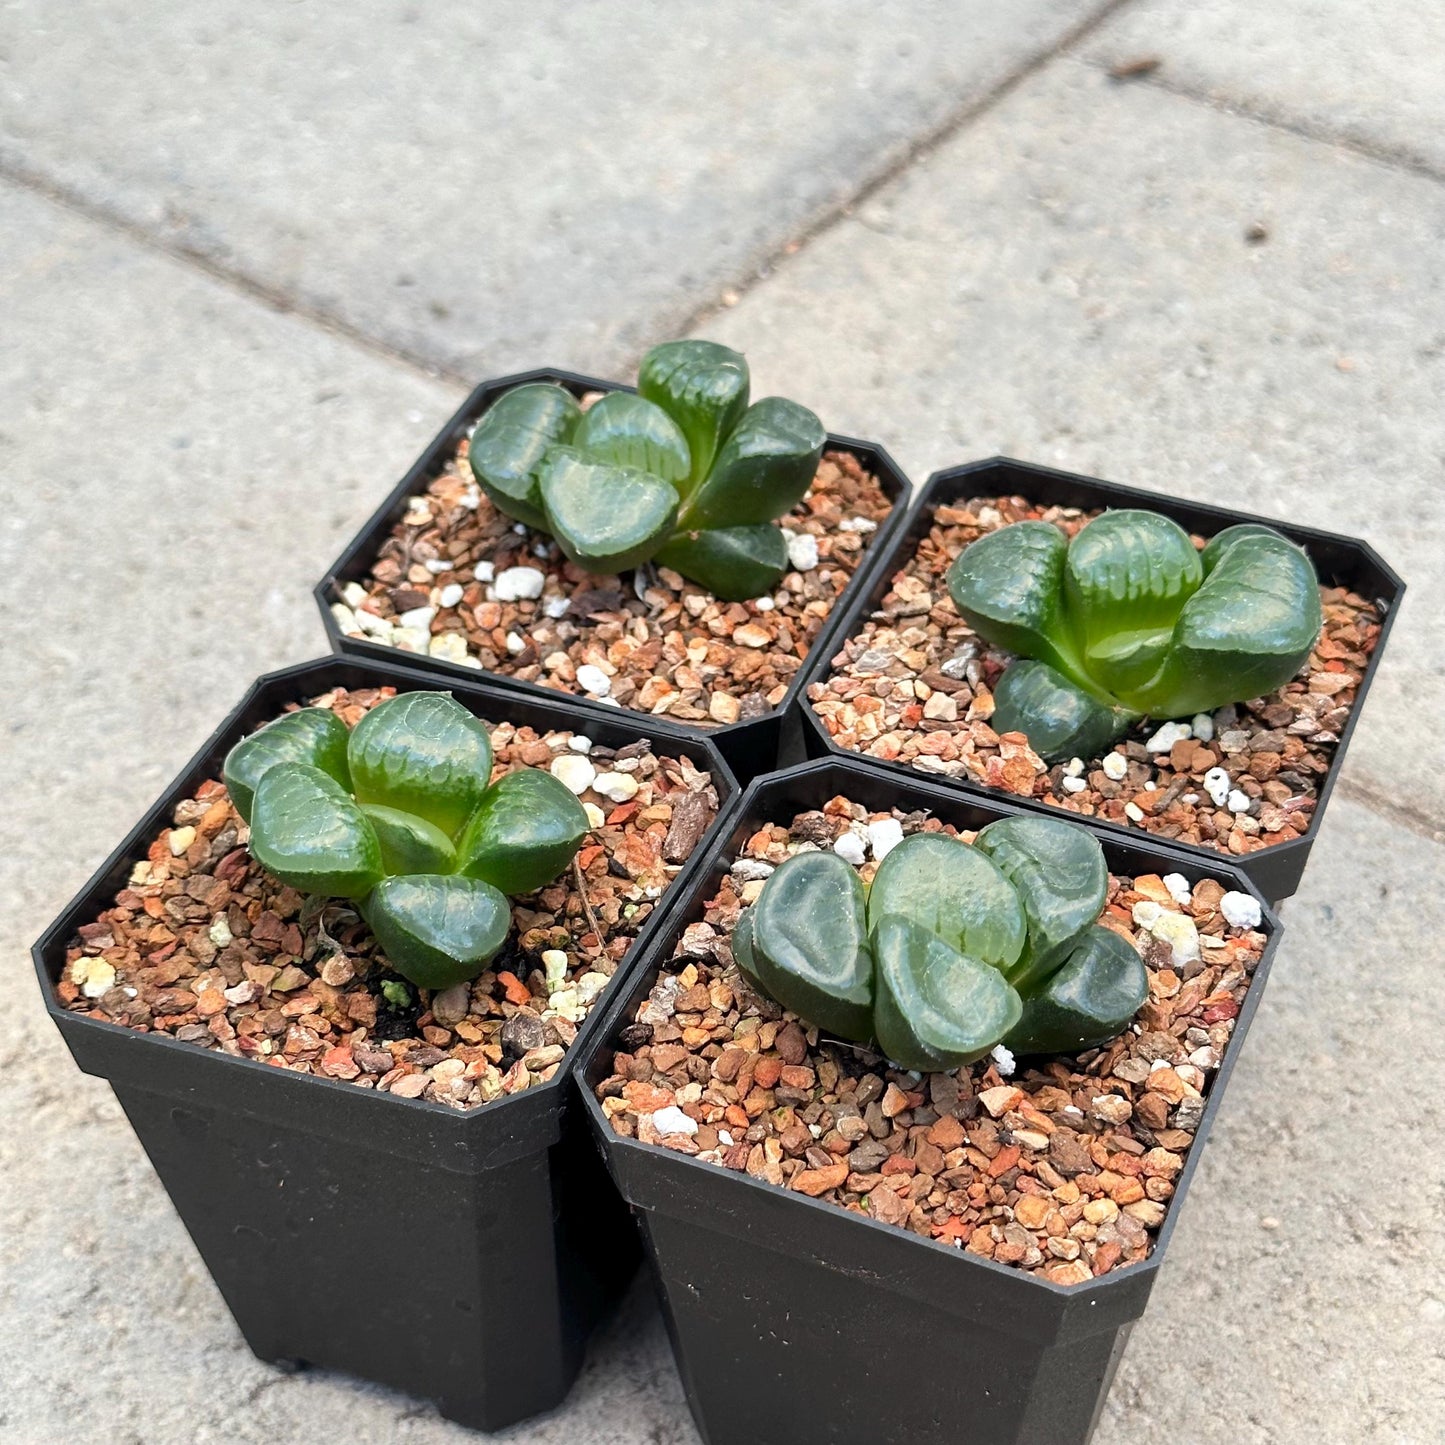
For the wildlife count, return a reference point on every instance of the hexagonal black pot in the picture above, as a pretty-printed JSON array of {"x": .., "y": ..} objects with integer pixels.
[
  {"x": 320, "y": 1208},
  {"x": 793, "y": 1320},
  {"x": 751, "y": 746},
  {"x": 1339, "y": 561}
]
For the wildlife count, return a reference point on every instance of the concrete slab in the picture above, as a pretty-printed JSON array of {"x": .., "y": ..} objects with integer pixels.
[
  {"x": 500, "y": 185},
  {"x": 1370, "y": 74},
  {"x": 1070, "y": 281}
]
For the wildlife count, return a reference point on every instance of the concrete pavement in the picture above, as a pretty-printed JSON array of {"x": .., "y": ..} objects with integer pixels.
[{"x": 250, "y": 253}]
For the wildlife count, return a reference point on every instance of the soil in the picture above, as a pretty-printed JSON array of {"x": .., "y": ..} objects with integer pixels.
[
  {"x": 457, "y": 580},
  {"x": 915, "y": 685},
  {"x": 1062, "y": 1166},
  {"x": 204, "y": 945}
]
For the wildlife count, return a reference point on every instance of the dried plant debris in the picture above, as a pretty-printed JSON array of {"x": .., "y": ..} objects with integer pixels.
[
  {"x": 1061, "y": 1166},
  {"x": 915, "y": 685},
  {"x": 204, "y": 945}
]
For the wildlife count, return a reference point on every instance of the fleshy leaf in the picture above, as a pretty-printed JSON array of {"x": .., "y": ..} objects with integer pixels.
[
  {"x": 952, "y": 890},
  {"x": 1059, "y": 719},
  {"x": 523, "y": 833},
  {"x": 424, "y": 753},
  {"x": 1058, "y": 871},
  {"x": 742, "y": 949},
  {"x": 630, "y": 431},
  {"x": 1128, "y": 574},
  {"x": 409, "y": 844},
  {"x": 605, "y": 518},
  {"x": 703, "y": 387},
  {"x": 809, "y": 945},
  {"x": 763, "y": 470},
  {"x": 733, "y": 563},
  {"x": 1245, "y": 632},
  {"x": 1008, "y": 586},
  {"x": 312, "y": 735},
  {"x": 307, "y": 831},
  {"x": 937, "y": 1008},
  {"x": 438, "y": 930},
  {"x": 512, "y": 439},
  {"x": 1091, "y": 998}
]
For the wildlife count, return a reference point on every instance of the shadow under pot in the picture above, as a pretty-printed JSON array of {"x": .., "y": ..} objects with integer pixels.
[
  {"x": 813, "y": 1212},
  {"x": 910, "y": 684},
  {"x": 440, "y": 578},
  {"x": 414, "y": 1143}
]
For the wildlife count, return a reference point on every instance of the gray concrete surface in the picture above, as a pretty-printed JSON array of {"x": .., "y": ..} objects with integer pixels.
[
  {"x": 476, "y": 183},
  {"x": 1065, "y": 278}
]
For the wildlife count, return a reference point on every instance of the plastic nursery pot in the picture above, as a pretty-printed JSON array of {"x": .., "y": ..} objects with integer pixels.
[
  {"x": 793, "y": 1319},
  {"x": 750, "y": 746},
  {"x": 321, "y": 1208},
  {"x": 1338, "y": 560}
]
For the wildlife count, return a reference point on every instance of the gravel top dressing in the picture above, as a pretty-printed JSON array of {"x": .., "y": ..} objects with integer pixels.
[
  {"x": 915, "y": 685},
  {"x": 1061, "y": 1166},
  {"x": 459, "y": 581},
  {"x": 204, "y": 945}
]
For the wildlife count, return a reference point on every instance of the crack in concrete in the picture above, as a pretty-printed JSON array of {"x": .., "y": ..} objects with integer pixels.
[{"x": 1412, "y": 819}]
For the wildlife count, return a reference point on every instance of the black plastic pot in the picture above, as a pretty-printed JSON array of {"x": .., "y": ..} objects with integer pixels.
[
  {"x": 794, "y": 1320},
  {"x": 751, "y": 746},
  {"x": 1339, "y": 561},
  {"x": 461, "y": 1257}
]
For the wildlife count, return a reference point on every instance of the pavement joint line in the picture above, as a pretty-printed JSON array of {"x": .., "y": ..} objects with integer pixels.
[
  {"x": 233, "y": 278},
  {"x": 1412, "y": 819},
  {"x": 920, "y": 147},
  {"x": 1384, "y": 155}
]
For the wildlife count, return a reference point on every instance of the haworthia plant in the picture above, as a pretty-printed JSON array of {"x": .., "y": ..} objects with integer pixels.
[
  {"x": 1130, "y": 620},
  {"x": 685, "y": 473},
  {"x": 953, "y": 949},
  {"x": 400, "y": 815}
]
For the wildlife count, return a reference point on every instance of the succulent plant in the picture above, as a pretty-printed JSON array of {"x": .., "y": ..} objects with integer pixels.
[
  {"x": 953, "y": 949},
  {"x": 684, "y": 472},
  {"x": 1131, "y": 619},
  {"x": 400, "y": 815}
]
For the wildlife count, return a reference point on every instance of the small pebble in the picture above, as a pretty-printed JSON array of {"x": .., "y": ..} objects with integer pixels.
[
  {"x": 418, "y": 617},
  {"x": 1146, "y": 913},
  {"x": 580, "y": 743},
  {"x": 1178, "y": 930},
  {"x": 450, "y": 647},
  {"x": 1179, "y": 890},
  {"x": 437, "y": 565},
  {"x": 1167, "y": 736},
  {"x": 181, "y": 839},
  {"x": 616, "y": 787},
  {"x": 1074, "y": 785},
  {"x": 884, "y": 836},
  {"x": 515, "y": 584},
  {"x": 592, "y": 679},
  {"x": 1003, "y": 1060},
  {"x": 574, "y": 772},
  {"x": 1241, "y": 911},
  {"x": 803, "y": 551},
  {"x": 1203, "y": 726},
  {"x": 450, "y": 595},
  {"x": 1238, "y": 802},
  {"x": 1217, "y": 785},
  {"x": 516, "y": 643},
  {"x": 1074, "y": 767},
  {"x": 484, "y": 571},
  {"x": 555, "y": 607},
  {"x": 1116, "y": 766},
  {"x": 353, "y": 594},
  {"x": 850, "y": 849},
  {"x": 672, "y": 1120},
  {"x": 554, "y": 962},
  {"x": 1134, "y": 812}
]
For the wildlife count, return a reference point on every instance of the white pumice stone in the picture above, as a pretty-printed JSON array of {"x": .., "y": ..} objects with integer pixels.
[
  {"x": 1147, "y": 913},
  {"x": 370, "y": 622},
  {"x": 437, "y": 565},
  {"x": 1074, "y": 767},
  {"x": 554, "y": 962},
  {"x": 1179, "y": 932},
  {"x": 580, "y": 743},
  {"x": 449, "y": 646},
  {"x": 420, "y": 617},
  {"x": 591, "y": 678},
  {"x": 555, "y": 607},
  {"x": 1203, "y": 726},
  {"x": 411, "y": 639},
  {"x": 884, "y": 836},
  {"x": 353, "y": 594},
  {"x": 1003, "y": 1060},
  {"x": 515, "y": 584},
  {"x": 1168, "y": 735},
  {"x": 1238, "y": 802},
  {"x": 1074, "y": 785},
  {"x": 516, "y": 643},
  {"x": 803, "y": 551},
  {"x": 574, "y": 772},
  {"x": 672, "y": 1120},
  {"x": 595, "y": 816},
  {"x": 1116, "y": 766},
  {"x": 1134, "y": 812},
  {"x": 850, "y": 849},
  {"x": 1178, "y": 886},
  {"x": 345, "y": 617},
  {"x": 616, "y": 787},
  {"x": 484, "y": 571},
  {"x": 1240, "y": 910},
  {"x": 450, "y": 595},
  {"x": 1216, "y": 784}
]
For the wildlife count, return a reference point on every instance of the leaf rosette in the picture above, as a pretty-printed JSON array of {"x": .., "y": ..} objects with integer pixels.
[
  {"x": 400, "y": 815},
  {"x": 685, "y": 472},
  {"x": 1130, "y": 619},
  {"x": 953, "y": 949}
]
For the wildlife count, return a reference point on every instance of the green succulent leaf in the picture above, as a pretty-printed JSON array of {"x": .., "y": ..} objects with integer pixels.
[
  {"x": 809, "y": 945},
  {"x": 1245, "y": 632},
  {"x": 512, "y": 439},
  {"x": 764, "y": 468},
  {"x": 1009, "y": 585},
  {"x": 307, "y": 831},
  {"x": 1059, "y": 719},
  {"x": 630, "y": 431},
  {"x": 1059, "y": 874},
  {"x": 605, "y": 518},
  {"x": 409, "y": 844},
  {"x": 742, "y": 948},
  {"x": 703, "y": 387},
  {"x": 733, "y": 563},
  {"x": 955, "y": 891},
  {"x": 523, "y": 833},
  {"x": 312, "y": 735},
  {"x": 1128, "y": 573},
  {"x": 438, "y": 930},
  {"x": 937, "y": 1008},
  {"x": 1101, "y": 985},
  {"x": 422, "y": 753}
]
